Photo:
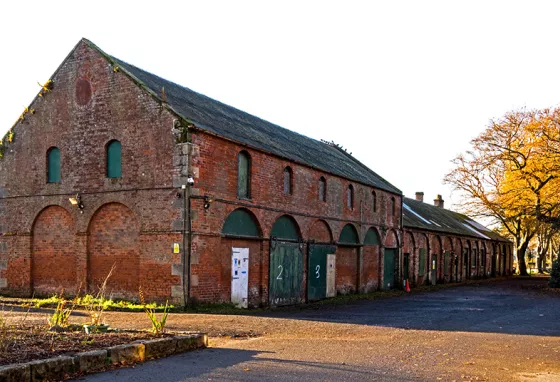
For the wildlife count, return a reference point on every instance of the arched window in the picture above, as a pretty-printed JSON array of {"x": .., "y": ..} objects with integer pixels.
[
  {"x": 350, "y": 197},
  {"x": 393, "y": 207},
  {"x": 243, "y": 175},
  {"x": 322, "y": 189},
  {"x": 288, "y": 181},
  {"x": 114, "y": 159},
  {"x": 53, "y": 165},
  {"x": 374, "y": 201}
]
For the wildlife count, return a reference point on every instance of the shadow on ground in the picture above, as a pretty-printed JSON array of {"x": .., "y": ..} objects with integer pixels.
[
  {"x": 515, "y": 306},
  {"x": 241, "y": 365}
]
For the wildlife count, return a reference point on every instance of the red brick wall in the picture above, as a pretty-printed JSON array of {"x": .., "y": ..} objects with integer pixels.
[
  {"x": 215, "y": 170},
  {"x": 213, "y": 269},
  {"x": 371, "y": 268},
  {"x": 346, "y": 270},
  {"x": 113, "y": 241},
  {"x": 320, "y": 232},
  {"x": 80, "y": 128},
  {"x": 92, "y": 104},
  {"x": 53, "y": 255}
]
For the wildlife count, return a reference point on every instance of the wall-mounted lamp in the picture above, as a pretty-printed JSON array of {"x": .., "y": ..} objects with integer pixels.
[
  {"x": 190, "y": 180},
  {"x": 77, "y": 202},
  {"x": 207, "y": 201}
]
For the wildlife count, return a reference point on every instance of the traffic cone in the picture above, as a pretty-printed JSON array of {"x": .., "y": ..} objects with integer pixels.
[{"x": 407, "y": 289}]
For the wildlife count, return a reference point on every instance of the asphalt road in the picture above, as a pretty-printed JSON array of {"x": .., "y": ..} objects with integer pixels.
[{"x": 500, "y": 331}]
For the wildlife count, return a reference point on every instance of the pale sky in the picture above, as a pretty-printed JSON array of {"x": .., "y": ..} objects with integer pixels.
[{"x": 403, "y": 85}]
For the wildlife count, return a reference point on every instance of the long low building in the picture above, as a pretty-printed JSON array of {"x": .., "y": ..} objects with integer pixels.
[
  {"x": 191, "y": 199},
  {"x": 445, "y": 246}
]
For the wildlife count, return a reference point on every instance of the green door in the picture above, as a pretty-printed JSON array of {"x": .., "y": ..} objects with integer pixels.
[
  {"x": 286, "y": 273},
  {"x": 422, "y": 263},
  {"x": 446, "y": 265},
  {"x": 389, "y": 268},
  {"x": 317, "y": 271}
]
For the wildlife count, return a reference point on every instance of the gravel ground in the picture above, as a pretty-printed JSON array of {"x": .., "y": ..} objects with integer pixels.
[{"x": 502, "y": 331}]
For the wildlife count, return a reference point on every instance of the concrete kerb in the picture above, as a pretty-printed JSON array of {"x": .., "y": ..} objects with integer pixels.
[
  {"x": 59, "y": 368},
  {"x": 15, "y": 372}
]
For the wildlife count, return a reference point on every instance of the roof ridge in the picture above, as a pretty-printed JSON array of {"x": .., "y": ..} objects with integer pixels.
[
  {"x": 228, "y": 122},
  {"x": 349, "y": 155}
]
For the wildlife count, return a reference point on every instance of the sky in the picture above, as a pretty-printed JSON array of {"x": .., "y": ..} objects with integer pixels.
[{"x": 402, "y": 85}]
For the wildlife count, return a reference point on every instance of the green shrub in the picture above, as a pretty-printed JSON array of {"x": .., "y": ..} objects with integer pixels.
[{"x": 554, "y": 281}]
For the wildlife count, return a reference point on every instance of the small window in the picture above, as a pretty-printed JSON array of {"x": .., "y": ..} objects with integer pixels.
[
  {"x": 374, "y": 201},
  {"x": 350, "y": 197},
  {"x": 114, "y": 160},
  {"x": 322, "y": 189},
  {"x": 53, "y": 165},
  {"x": 243, "y": 175},
  {"x": 288, "y": 181},
  {"x": 393, "y": 207}
]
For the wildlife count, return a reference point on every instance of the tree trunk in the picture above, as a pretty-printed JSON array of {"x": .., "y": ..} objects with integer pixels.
[
  {"x": 542, "y": 261},
  {"x": 521, "y": 248}
]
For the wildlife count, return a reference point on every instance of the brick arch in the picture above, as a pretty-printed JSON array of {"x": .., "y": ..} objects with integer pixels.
[
  {"x": 422, "y": 241},
  {"x": 113, "y": 238},
  {"x": 320, "y": 231},
  {"x": 53, "y": 257},
  {"x": 435, "y": 244},
  {"x": 391, "y": 239},
  {"x": 448, "y": 244},
  {"x": 408, "y": 243}
]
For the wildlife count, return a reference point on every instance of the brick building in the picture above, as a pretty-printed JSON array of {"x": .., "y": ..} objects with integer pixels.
[
  {"x": 189, "y": 199},
  {"x": 445, "y": 246}
]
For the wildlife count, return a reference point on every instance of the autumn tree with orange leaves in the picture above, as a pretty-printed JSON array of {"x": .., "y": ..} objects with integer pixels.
[{"x": 512, "y": 175}]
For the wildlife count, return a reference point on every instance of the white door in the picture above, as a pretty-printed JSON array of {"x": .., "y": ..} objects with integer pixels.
[
  {"x": 331, "y": 275},
  {"x": 240, "y": 277}
]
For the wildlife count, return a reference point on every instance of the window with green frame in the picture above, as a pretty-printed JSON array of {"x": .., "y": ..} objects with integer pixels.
[
  {"x": 114, "y": 159},
  {"x": 243, "y": 175},
  {"x": 53, "y": 165}
]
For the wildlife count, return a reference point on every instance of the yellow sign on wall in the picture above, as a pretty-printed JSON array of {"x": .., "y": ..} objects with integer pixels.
[{"x": 176, "y": 248}]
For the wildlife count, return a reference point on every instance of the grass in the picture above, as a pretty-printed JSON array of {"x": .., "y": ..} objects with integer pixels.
[
  {"x": 107, "y": 304},
  {"x": 228, "y": 308}
]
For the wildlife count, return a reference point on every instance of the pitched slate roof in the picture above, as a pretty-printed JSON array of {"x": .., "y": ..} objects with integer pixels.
[
  {"x": 220, "y": 119},
  {"x": 420, "y": 215}
]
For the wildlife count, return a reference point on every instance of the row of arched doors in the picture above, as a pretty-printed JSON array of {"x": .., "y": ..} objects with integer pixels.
[{"x": 329, "y": 268}]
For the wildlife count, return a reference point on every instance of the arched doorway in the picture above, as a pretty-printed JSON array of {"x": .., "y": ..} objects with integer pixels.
[
  {"x": 321, "y": 259},
  {"x": 347, "y": 260},
  {"x": 372, "y": 260},
  {"x": 113, "y": 241},
  {"x": 435, "y": 248},
  {"x": 447, "y": 259},
  {"x": 409, "y": 259},
  {"x": 390, "y": 260},
  {"x": 242, "y": 238},
  {"x": 423, "y": 260},
  {"x": 53, "y": 257},
  {"x": 286, "y": 263}
]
